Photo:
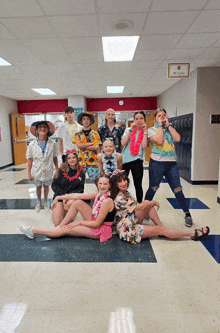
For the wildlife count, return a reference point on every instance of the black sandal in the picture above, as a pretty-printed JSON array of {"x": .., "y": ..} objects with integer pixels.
[{"x": 196, "y": 237}]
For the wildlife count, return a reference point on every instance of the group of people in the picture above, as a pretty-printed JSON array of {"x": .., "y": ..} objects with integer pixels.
[{"x": 109, "y": 167}]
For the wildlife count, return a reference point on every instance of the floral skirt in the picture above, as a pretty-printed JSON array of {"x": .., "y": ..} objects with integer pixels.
[{"x": 130, "y": 232}]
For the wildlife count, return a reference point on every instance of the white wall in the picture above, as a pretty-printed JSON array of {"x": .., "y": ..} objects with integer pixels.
[
  {"x": 207, "y": 135},
  {"x": 200, "y": 95},
  {"x": 77, "y": 102},
  {"x": 7, "y": 106},
  {"x": 180, "y": 99}
]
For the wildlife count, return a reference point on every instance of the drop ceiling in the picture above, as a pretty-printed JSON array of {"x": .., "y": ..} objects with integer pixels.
[{"x": 57, "y": 44}]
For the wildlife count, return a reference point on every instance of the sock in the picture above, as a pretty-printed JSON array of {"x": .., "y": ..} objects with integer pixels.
[{"x": 45, "y": 199}]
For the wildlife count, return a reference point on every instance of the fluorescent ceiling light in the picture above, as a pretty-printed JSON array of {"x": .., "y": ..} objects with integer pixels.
[
  {"x": 44, "y": 91},
  {"x": 119, "y": 48},
  {"x": 4, "y": 62},
  {"x": 115, "y": 89}
]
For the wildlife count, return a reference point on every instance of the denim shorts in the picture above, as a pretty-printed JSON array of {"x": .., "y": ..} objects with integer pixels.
[
  {"x": 93, "y": 173},
  {"x": 40, "y": 183}
]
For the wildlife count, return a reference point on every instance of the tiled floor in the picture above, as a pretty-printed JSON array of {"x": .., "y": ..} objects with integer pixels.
[{"x": 82, "y": 286}]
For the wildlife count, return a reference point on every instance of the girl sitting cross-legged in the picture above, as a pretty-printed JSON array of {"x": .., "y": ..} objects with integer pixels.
[
  {"x": 130, "y": 215},
  {"x": 96, "y": 223}
]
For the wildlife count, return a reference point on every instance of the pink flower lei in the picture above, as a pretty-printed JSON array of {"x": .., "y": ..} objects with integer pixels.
[
  {"x": 134, "y": 147},
  {"x": 71, "y": 178},
  {"x": 97, "y": 204}
]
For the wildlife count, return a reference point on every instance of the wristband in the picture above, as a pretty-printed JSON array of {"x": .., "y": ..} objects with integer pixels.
[
  {"x": 130, "y": 130},
  {"x": 145, "y": 133}
]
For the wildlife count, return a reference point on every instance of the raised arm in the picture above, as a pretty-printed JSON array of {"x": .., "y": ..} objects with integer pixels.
[{"x": 176, "y": 136}]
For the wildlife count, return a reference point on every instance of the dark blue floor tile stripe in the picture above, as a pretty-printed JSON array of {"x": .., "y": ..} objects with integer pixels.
[
  {"x": 212, "y": 244},
  {"x": 193, "y": 203},
  {"x": 70, "y": 249},
  {"x": 14, "y": 169}
]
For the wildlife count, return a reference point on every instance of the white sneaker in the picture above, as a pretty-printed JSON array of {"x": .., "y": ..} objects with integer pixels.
[
  {"x": 37, "y": 207},
  {"x": 27, "y": 230},
  {"x": 46, "y": 206}
]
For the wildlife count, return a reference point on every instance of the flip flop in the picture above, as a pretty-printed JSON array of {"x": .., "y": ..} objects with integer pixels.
[{"x": 196, "y": 237}]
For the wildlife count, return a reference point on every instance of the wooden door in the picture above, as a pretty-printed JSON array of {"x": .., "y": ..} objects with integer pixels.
[
  {"x": 96, "y": 124},
  {"x": 150, "y": 123},
  {"x": 18, "y": 134}
]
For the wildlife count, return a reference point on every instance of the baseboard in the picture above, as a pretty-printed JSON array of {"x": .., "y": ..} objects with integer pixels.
[
  {"x": 204, "y": 182},
  {"x": 6, "y": 166},
  {"x": 200, "y": 182},
  {"x": 218, "y": 200}
]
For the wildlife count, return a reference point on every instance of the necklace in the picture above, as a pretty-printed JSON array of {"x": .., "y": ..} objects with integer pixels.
[
  {"x": 134, "y": 147},
  {"x": 71, "y": 178},
  {"x": 109, "y": 163},
  {"x": 97, "y": 204}
]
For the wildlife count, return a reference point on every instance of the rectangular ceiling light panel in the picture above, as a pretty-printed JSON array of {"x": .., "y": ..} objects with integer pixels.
[
  {"x": 4, "y": 62},
  {"x": 44, "y": 91},
  {"x": 119, "y": 48},
  {"x": 115, "y": 89}
]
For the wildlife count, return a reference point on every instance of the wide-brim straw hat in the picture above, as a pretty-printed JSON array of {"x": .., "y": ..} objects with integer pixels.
[
  {"x": 50, "y": 125},
  {"x": 87, "y": 115}
]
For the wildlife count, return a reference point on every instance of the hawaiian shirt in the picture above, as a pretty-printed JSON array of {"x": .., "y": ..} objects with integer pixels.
[
  {"x": 116, "y": 134},
  {"x": 87, "y": 158},
  {"x": 42, "y": 166}
]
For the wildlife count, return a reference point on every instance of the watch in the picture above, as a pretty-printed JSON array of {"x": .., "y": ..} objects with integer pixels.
[{"x": 121, "y": 102}]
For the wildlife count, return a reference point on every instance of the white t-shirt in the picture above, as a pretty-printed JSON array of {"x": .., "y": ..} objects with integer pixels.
[{"x": 63, "y": 133}]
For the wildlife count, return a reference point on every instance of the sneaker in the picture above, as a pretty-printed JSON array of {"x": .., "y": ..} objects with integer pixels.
[
  {"x": 46, "y": 206},
  {"x": 188, "y": 221},
  {"x": 37, "y": 207},
  {"x": 27, "y": 230}
]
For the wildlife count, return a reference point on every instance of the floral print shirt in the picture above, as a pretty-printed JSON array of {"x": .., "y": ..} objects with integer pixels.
[
  {"x": 87, "y": 158},
  {"x": 126, "y": 221},
  {"x": 42, "y": 167},
  {"x": 116, "y": 134}
]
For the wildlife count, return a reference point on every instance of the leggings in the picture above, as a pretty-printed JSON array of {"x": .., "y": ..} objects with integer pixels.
[
  {"x": 170, "y": 170},
  {"x": 137, "y": 172}
]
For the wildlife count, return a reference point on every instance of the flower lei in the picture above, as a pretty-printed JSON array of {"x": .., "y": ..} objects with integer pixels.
[
  {"x": 97, "y": 204},
  {"x": 134, "y": 147},
  {"x": 71, "y": 178},
  {"x": 71, "y": 128},
  {"x": 109, "y": 163}
]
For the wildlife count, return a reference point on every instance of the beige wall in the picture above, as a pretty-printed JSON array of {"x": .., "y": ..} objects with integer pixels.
[{"x": 7, "y": 106}]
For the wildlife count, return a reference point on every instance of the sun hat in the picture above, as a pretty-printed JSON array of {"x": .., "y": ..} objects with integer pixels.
[
  {"x": 87, "y": 115},
  {"x": 35, "y": 125}
]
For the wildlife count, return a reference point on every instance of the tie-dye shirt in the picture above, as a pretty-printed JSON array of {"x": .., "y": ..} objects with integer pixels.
[{"x": 166, "y": 151}]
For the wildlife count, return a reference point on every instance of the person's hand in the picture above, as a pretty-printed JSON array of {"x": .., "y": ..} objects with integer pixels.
[
  {"x": 156, "y": 204},
  {"x": 31, "y": 178},
  {"x": 160, "y": 122},
  {"x": 144, "y": 127},
  {"x": 56, "y": 174},
  {"x": 54, "y": 203},
  {"x": 133, "y": 125},
  {"x": 165, "y": 120}
]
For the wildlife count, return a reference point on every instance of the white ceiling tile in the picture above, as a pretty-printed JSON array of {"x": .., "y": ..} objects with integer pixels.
[
  {"x": 207, "y": 21},
  {"x": 15, "y": 8},
  {"x": 169, "y": 22},
  {"x": 128, "y": 6},
  {"x": 142, "y": 55},
  {"x": 90, "y": 57},
  {"x": 213, "y": 4},
  {"x": 5, "y": 33},
  {"x": 53, "y": 58},
  {"x": 44, "y": 45},
  {"x": 29, "y": 27},
  {"x": 75, "y": 26},
  {"x": 107, "y": 23},
  {"x": 63, "y": 7},
  {"x": 211, "y": 53},
  {"x": 158, "y": 42},
  {"x": 197, "y": 40},
  {"x": 145, "y": 65},
  {"x": 83, "y": 44},
  {"x": 23, "y": 59},
  {"x": 164, "y": 5},
  {"x": 179, "y": 55},
  {"x": 12, "y": 47},
  {"x": 216, "y": 44}
]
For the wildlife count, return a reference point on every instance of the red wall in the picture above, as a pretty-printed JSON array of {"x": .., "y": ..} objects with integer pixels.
[
  {"x": 53, "y": 105},
  {"x": 130, "y": 104}
]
